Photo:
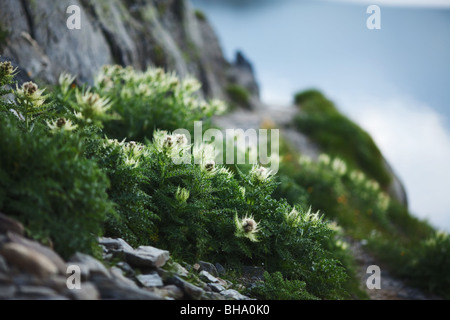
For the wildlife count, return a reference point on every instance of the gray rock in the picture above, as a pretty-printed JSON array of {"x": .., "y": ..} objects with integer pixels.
[
  {"x": 57, "y": 283},
  {"x": 150, "y": 280},
  {"x": 41, "y": 249},
  {"x": 241, "y": 73},
  {"x": 37, "y": 292},
  {"x": 8, "y": 224},
  {"x": 207, "y": 277},
  {"x": 5, "y": 279},
  {"x": 232, "y": 294},
  {"x": 208, "y": 267},
  {"x": 7, "y": 291},
  {"x": 115, "y": 245},
  {"x": 220, "y": 269},
  {"x": 213, "y": 296},
  {"x": 173, "y": 291},
  {"x": 179, "y": 269},
  {"x": 114, "y": 290},
  {"x": 216, "y": 287},
  {"x": 28, "y": 260},
  {"x": 3, "y": 265},
  {"x": 126, "y": 268},
  {"x": 119, "y": 276},
  {"x": 190, "y": 291},
  {"x": 88, "y": 265},
  {"x": 146, "y": 256},
  {"x": 88, "y": 291},
  {"x": 169, "y": 292}
]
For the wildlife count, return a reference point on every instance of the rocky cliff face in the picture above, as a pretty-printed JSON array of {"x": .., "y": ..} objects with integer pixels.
[{"x": 162, "y": 33}]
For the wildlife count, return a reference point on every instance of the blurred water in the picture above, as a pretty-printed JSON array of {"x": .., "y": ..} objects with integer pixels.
[{"x": 395, "y": 81}]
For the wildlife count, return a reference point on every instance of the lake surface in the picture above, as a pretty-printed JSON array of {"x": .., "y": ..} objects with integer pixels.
[{"x": 395, "y": 82}]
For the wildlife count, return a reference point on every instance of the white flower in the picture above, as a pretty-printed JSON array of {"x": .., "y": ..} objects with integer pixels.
[
  {"x": 191, "y": 84},
  {"x": 372, "y": 185},
  {"x": 61, "y": 124},
  {"x": 169, "y": 142},
  {"x": 383, "y": 201},
  {"x": 218, "y": 106},
  {"x": 339, "y": 166},
  {"x": 260, "y": 174},
  {"x": 357, "y": 176},
  {"x": 131, "y": 161},
  {"x": 31, "y": 93},
  {"x": 6, "y": 69},
  {"x": 204, "y": 153},
  {"x": 324, "y": 159},
  {"x": 311, "y": 217},
  {"x": 92, "y": 105},
  {"x": 65, "y": 82},
  {"x": 174, "y": 146},
  {"x": 293, "y": 216},
  {"x": 181, "y": 139},
  {"x": 246, "y": 227},
  {"x": 210, "y": 166},
  {"x": 304, "y": 161}
]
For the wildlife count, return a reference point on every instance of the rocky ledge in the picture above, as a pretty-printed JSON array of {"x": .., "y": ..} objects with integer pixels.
[{"x": 29, "y": 270}]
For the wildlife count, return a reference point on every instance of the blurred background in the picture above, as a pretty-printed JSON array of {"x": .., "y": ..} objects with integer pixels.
[{"x": 394, "y": 82}]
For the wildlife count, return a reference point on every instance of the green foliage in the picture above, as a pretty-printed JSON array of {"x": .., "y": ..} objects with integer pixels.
[
  {"x": 275, "y": 287},
  {"x": 339, "y": 136},
  {"x": 238, "y": 95},
  {"x": 429, "y": 264},
  {"x": 146, "y": 101},
  {"x": 347, "y": 196},
  {"x": 65, "y": 181},
  {"x": 47, "y": 184},
  {"x": 121, "y": 163},
  {"x": 232, "y": 219}
]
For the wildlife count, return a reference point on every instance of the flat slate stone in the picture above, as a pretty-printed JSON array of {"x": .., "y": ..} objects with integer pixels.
[
  {"x": 150, "y": 280},
  {"x": 146, "y": 256}
]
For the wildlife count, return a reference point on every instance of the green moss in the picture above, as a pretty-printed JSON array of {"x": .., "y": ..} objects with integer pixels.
[{"x": 200, "y": 15}]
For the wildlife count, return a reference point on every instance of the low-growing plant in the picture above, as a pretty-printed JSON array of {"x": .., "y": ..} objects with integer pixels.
[
  {"x": 66, "y": 181},
  {"x": 47, "y": 184},
  {"x": 121, "y": 161},
  {"x": 275, "y": 287},
  {"x": 150, "y": 100}
]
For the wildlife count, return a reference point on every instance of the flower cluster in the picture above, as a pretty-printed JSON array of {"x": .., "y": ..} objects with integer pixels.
[
  {"x": 175, "y": 146},
  {"x": 30, "y": 95},
  {"x": 132, "y": 151},
  {"x": 246, "y": 227},
  {"x": 92, "y": 107},
  {"x": 205, "y": 155},
  {"x": 6, "y": 69},
  {"x": 61, "y": 124},
  {"x": 260, "y": 174},
  {"x": 66, "y": 82}
]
